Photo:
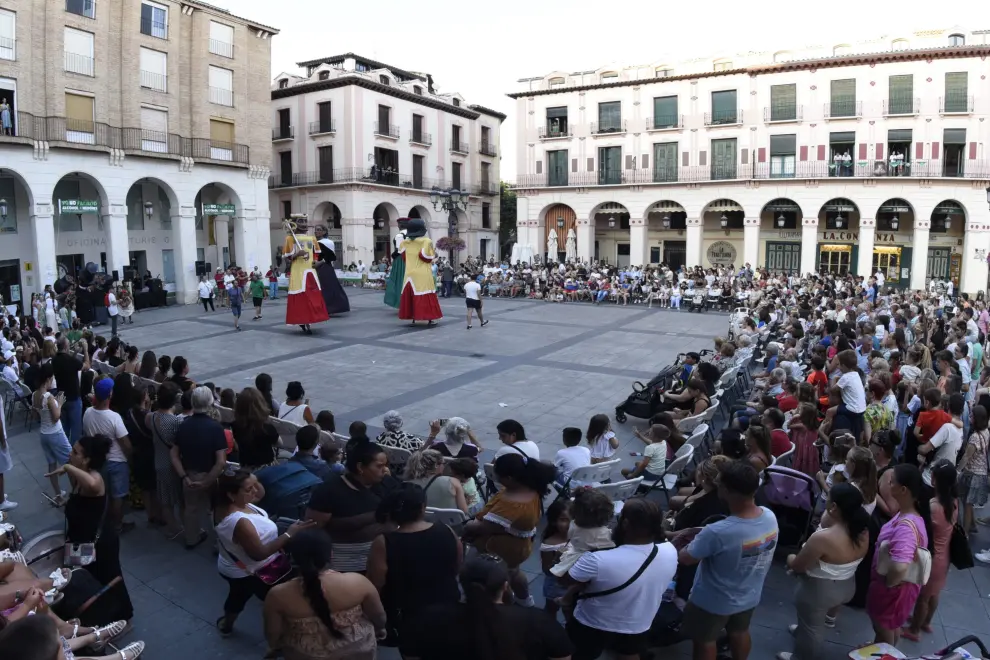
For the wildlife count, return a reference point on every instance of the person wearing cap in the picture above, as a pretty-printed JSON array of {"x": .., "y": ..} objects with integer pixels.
[
  {"x": 100, "y": 420},
  {"x": 11, "y": 376}
]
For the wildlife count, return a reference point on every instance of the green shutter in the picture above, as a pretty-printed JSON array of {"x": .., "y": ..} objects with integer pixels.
[
  {"x": 954, "y": 136},
  {"x": 610, "y": 117},
  {"x": 907, "y": 254},
  {"x": 956, "y": 92},
  {"x": 723, "y": 159},
  {"x": 557, "y": 112},
  {"x": 899, "y": 135},
  {"x": 854, "y": 261},
  {"x": 783, "y": 102},
  {"x": 900, "y": 99},
  {"x": 665, "y": 112},
  {"x": 724, "y": 107},
  {"x": 609, "y": 165},
  {"x": 557, "y": 168},
  {"x": 843, "y": 99},
  {"x": 665, "y": 162},
  {"x": 783, "y": 145}
]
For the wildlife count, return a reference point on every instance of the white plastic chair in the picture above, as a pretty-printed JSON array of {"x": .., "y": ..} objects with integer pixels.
[
  {"x": 620, "y": 491},
  {"x": 698, "y": 436},
  {"x": 452, "y": 517},
  {"x": 286, "y": 431},
  {"x": 673, "y": 470},
  {"x": 588, "y": 475},
  {"x": 689, "y": 424},
  {"x": 784, "y": 460}
]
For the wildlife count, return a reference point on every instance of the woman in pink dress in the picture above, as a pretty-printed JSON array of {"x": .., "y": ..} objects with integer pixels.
[
  {"x": 944, "y": 513},
  {"x": 804, "y": 433},
  {"x": 890, "y": 599}
]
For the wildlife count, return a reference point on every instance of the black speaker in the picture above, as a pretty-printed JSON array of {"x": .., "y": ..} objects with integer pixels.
[
  {"x": 201, "y": 269},
  {"x": 116, "y": 276},
  {"x": 156, "y": 286},
  {"x": 130, "y": 274}
]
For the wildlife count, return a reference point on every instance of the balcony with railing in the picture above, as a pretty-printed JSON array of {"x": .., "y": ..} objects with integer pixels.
[
  {"x": 487, "y": 149},
  {"x": 421, "y": 138},
  {"x": 609, "y": 127},
  {"x": 8, "y": 50},
  {"x": 554, "y": 132},
  {"x": 664, "y": 174},
  {"x": 485, "y": 188},
  {"x": 373, "y": 175},
  {"x": 322, "y": 127},
  {"x": 280, "y": 133},
  {"x": 843, "y": 109},
  {"x": 386, "y": 130},
  {"x": 955, "y": 104},
  {"x": 61, "y": 131},
  {"x": 221, "y": 96},
  {"x": 154, "y": 28},
  {"x": 155, "y": 81},
  {"x": 783, "y": 112},
  {"x": 81, "y": 64},
  {"x": 901, "y": 105},
  {"x": 222, "y": 48},
  {"x": 664, "y": 122},
  {"x": 557, "y": 177},
  {"x": 731, "y": 117},
  {"x": 458, "y": 147}
]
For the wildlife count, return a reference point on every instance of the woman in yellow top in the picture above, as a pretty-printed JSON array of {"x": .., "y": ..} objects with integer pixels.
[
  {"x": 305, "y": 303},
  {"x": 418, "y": 301}
]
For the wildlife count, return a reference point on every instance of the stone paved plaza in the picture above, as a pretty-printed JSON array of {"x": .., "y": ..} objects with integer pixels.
[{"x": 546, "y": 365}]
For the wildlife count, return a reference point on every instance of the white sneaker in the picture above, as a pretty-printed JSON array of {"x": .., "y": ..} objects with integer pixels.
[
  {"x": 982, "y": 556},
  {"x": 792, "y": 628},
  {"x": 784, "y": 655},
  {"x": 7, "y": 505}
]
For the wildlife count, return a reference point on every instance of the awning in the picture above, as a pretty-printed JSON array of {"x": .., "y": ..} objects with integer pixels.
[
  {"x": 900, "y": 135},
  {"x": 556, "y": 112},
  {"x": 844, "y": 136},
  {"x": 954, "y": 136},
  {"x": 783, "y": 145}
]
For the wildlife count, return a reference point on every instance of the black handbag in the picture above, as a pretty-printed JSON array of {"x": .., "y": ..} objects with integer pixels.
[{"x": 960, "y": 554}]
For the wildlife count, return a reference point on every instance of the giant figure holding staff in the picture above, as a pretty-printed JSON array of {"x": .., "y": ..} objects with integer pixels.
[{"x": 305, "y": 304}]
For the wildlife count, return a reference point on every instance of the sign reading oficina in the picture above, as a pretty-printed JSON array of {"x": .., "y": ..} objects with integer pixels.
[
  {"x": 78, "y": 206},
  {"x": 218, "y": 209}
]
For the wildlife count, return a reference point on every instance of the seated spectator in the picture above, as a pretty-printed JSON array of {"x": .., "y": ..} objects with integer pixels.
[
  {"x": 773, "y": 421},
  {"x": 425, "y": 469},
  {"x": 458, "y": 439},
  {"x": 572, "y": 456},
  {"x": 325, "y": 420},
  {"x": 651, "y": 468},
  {"x": 180, "y": 367},
  {"x": 513, "y": 438},
  {"x": 256, "y": 438},
  {"x": 295, "y": 409},
  {"x": 263, "y": 383},
  {"x": 394, "y": 436},
  {"x": 307, "y": 439}
]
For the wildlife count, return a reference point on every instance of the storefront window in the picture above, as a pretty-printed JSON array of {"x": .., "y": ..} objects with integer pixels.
[
  {"x": 888, "y": 261},
  {"x": 835, "y": 259}
]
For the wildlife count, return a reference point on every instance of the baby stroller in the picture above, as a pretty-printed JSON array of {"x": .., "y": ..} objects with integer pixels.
[
  {"x": 954, "y": 651},
  {"x": 287, "y": 489},
  {"x": 714, "y": 300},
  {"x": 644, "y": 402},
  {"x": 736, "y": 320},
  {"x": 696, "y": 300},
  {"x": 792, "y": 496}
]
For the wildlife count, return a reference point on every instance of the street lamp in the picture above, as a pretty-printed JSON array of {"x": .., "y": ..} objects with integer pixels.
[
  {"x": 895, "y": 222},
  {"x": 379, "y": 223},
  {"x": 3, "y": 209},
  {"x": 947, "y": 222},
  {"x": 839, "y": 220},
  {"x": 611, "y": 222},
  {"x": 449, "y": 201},
  {"x": 666, "y": 222},
  {"x": 149, "y": 209},
  {"x": 725, "y": 221},
  {"x": 781, "y": 220},
  {"x": 560, "y": 223}
]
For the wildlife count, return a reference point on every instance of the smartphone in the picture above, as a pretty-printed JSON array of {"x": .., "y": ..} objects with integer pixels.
[{"x": 442, "y": 421}]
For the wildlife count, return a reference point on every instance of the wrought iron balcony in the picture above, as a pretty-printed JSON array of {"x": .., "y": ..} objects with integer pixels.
[
  {"x": 487, "y": 149},
  {"x": 663, "y": 122},
  {"x": 283, "y": 133},
  {"x": 724, "y": 117},
  {"x": 222, "y": 96},
  {"x": 553, "y": 132},
  {"x": 375, "y": 175},
  {"x": 387, "y": 130},
  {"x": 458, "y": 147},
  {"x": 783, "y": 112},
  {"x": 323, "y": 126},
  {"x": 155, "y": 81},
  {"x": 81, "y": 64},
  {"x": 421, "y": 138},
  {"x": 222, "y": 48},
  {"x": 902, "y": 105},
  {"x": 955, "y": 104},
  {"x": 607, "y": 127},
  {"x": 843, "y": 109}
]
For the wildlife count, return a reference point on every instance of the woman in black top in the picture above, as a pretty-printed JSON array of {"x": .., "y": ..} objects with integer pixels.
[
  {"x": 484, "y": 627},
  {"x": 143, "y": 459},
  {"x": 257, "y": 440},
  {"x": 416, "y": 565},
  {"x": 86, "y": 521}
]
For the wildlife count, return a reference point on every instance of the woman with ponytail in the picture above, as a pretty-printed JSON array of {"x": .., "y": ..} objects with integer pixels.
[
  {"x": 890, "y": 599},
  {"x": 944, "y": 515},
  {"x": 826, "y": 568},
  {"x": 322, "y": 614},
  {"x": 485, "y": 626}
]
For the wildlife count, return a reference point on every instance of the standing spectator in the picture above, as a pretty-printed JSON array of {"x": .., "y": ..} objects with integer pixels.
[
  {"x": 100, "y": 420},
  {"x": 221, "y": 288},
  {"x": 126, "y": 305},
  {"x": 973, "y": 483},
  {"x": 236, "y": 296},
  {"x": 472, "y": 297},
  {"x": 53, "y": 441},
  {"x": 296, "y": 408},
  {"x": 735, "y": 556},
  {"x": 272, "y": 276},
  {"x": 110, "y": 301},
  {"x": 66, "y": 367},
  {"x": 164, "y": 425},
  {"x": 6, "y": 464},
  {"x": 257, "y": 289},
  {"x": 622, "y": 587},
  {"x": 198, "y": 456},
  {"x": 206, "y": 294},
  {"x": 447, "y": 278},
  {"x": 890, "y": 600},
  {"x": 257, "y": 440}
]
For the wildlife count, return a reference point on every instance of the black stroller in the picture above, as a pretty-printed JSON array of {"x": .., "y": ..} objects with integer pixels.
[{"x": 644, "y": 402}]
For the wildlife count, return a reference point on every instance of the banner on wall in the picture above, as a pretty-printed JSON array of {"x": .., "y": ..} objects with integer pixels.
[
  {"x": 721, "y": 253},
  {"x": 78, "y": 206},
  {"x": 219, "y": 209}
]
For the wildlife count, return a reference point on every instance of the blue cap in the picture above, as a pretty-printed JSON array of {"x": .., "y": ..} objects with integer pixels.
[{"x": 103, "y": 389}]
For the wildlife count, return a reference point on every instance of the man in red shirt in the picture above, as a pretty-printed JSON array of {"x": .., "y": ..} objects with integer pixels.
[
  {"x": 931, "y": 419},
  {"x": 272, "y": 277},
  {"x": 221, "y": 290},
  {"x": 773, "y": 420}
]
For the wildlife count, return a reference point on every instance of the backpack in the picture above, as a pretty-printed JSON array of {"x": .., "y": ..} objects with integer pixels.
[{"x": 106, "y": 299}]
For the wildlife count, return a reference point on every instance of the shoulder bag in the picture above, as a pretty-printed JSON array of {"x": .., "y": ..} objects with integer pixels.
[
  {"x": 272, "y": 573},
  {"x": 83, "y": 554},
  {"x": 568, "y": 607},
  {"x": 920, "y": 568},
  {"x": 960, "y": 553}
]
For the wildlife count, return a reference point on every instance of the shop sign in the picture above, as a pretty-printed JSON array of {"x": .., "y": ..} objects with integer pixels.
[
  {"x": 886, "y": 238},
  {"x": 15, "y": 293},
  {"x": 78, "y": 206},
  {"x": 101, "y": 241},
  {"x": 721, "y": 253},
  {"x": 219, "y": 209},
  {"x": 789, "y": 234}
]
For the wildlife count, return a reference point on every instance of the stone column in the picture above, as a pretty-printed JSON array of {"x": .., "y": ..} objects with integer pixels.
[
  {"x": 976, "y": 246},
  {"x": 118, "y": 248},
  {"x": 184, "y": 240},
  {"x": 867, "y": 238},
  {"x": 919, "y": 256},
  {"x": 751, "y": 241},
  {"x": 359, "y": 240},
  {"x": 538, "y": 237},
  {"x": 585, "y": 240},
  {"x": 692, "y": 257},
  {"x": 221, "y": 232},
  {"x": 524, "y": 235},
  {"x": 809, "y": 244},
  {"x": 43, "y": 235},
  {"x": 264, "y": 256},
  {"x": 638, "y": 252},
  {"x": 242, "y": 242}
]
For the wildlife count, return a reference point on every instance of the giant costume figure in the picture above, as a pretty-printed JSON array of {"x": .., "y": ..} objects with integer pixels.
[
  {"x": 334, "y": 296},
  {"x": 418, "y": 301},
  {"x": 396, "y": 276},
  {"x": 305, "y": 304}
]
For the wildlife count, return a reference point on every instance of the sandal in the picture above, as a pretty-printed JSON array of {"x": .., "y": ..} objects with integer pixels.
[
  {"x": 106, "y": 633},
  {"x": 131, "y": 651},
  {"x": 225, "y": 629}
]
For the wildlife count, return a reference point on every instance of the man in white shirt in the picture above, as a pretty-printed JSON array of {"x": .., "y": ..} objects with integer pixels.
[
  {"x": 960, "y": 353},
  {"x": 361, "y": 268},
  {"x": 513, "y": 438},
  {"x": 880, "y": 278},
  {"x": 100, "y": 420},
  {"x": 112, "y": 311},
  {"x": 472, "y": 297},
  {"x": 206, "y": 293},
  {"x": 947, "y": 440},
  {"x": 11, "y": 376}
]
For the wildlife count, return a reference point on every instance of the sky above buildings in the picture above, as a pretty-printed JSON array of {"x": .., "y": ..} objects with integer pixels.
[{"x": 481, "y": 49}]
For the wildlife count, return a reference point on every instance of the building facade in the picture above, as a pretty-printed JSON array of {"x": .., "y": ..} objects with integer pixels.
[
  {"x": 847, "y": 158},
  {"x": 148, "y": 168},
  {"x": 358, "y": 144}
]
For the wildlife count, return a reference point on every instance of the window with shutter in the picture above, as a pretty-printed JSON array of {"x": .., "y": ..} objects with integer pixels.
[
  {"x": 783, "y": 102},
  {"x": 455, "y": 175},
  {"x": 724, "y": 159},
  {"x": 557, "y": 168},
  {"x": 8, "y": 28},
  {"x": 324, "y": 114},
  {"x": 665, "y": 162},
  {"x": 610, "y": 117},
  {"x": 154, "y": 69},
  {"x": 724, "y": 108},
  {"x": 79, "y": 125},
  {"x": 418, "y": 172},
  {"x": 842, "y": 102},
  {"x": 956, "y": 92},
  {"x": 665, "y": 112},
  {"x": 325, "y": 163},
  {"x": 900, "y": 96},
  {"x": 154, "y": 19},
  {"x": 154, "y": 130},
  {"x": 78, "y": 47},
  {"x": 221, "y": 39},
  {"x": 221, "y": 139},
  {"x": 609, "y": 165},
  {"x": 221, "y": 86}
]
